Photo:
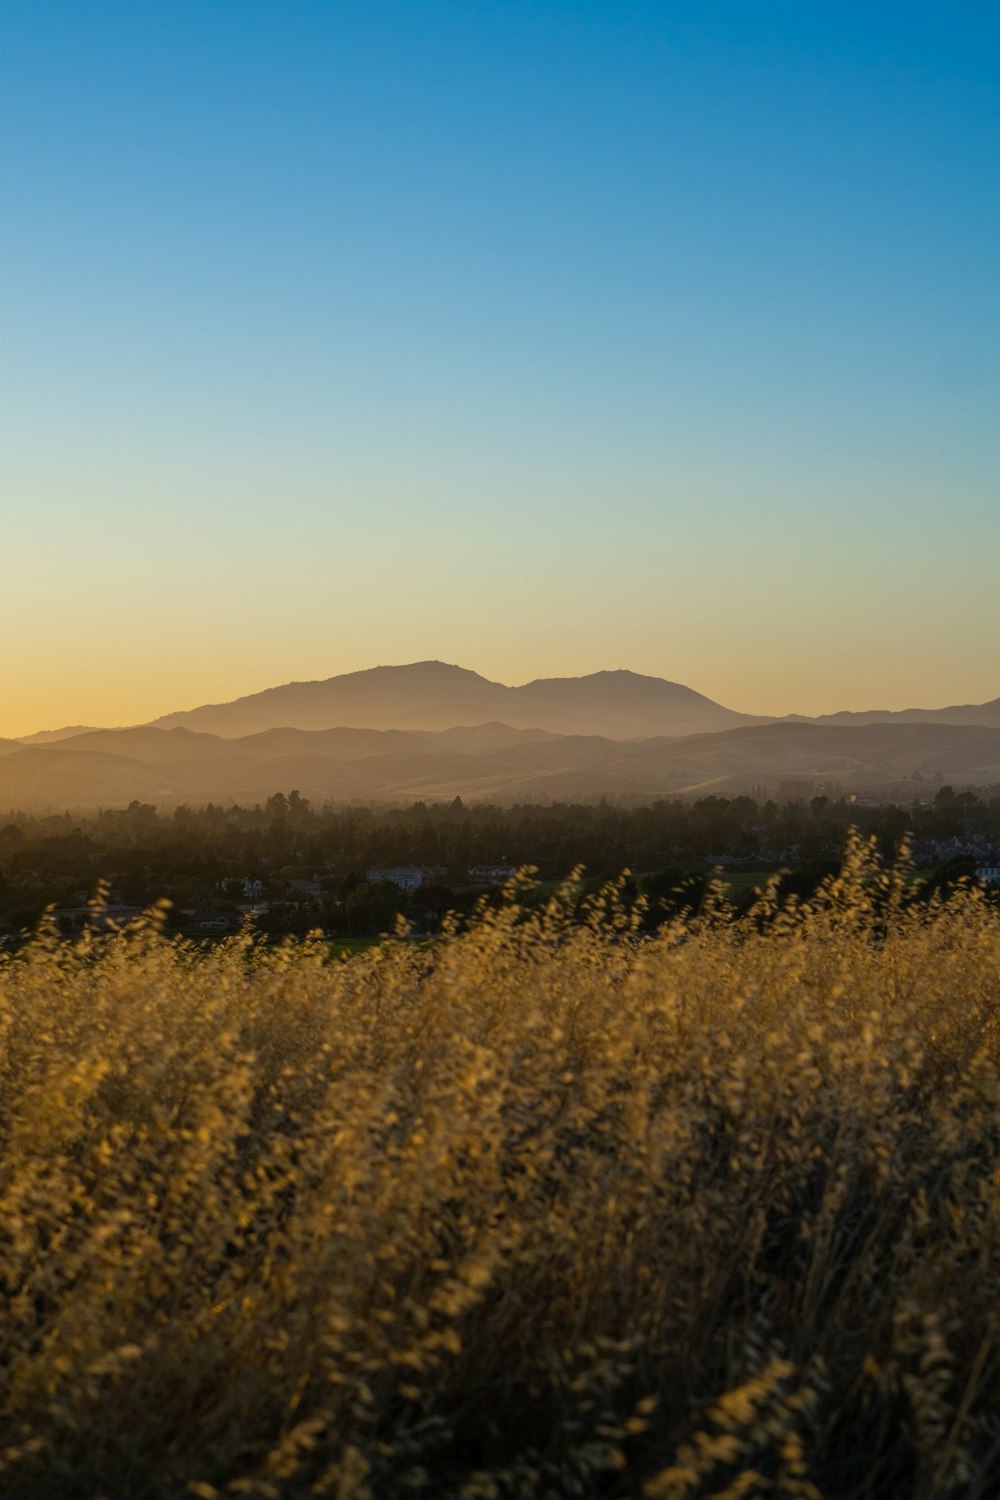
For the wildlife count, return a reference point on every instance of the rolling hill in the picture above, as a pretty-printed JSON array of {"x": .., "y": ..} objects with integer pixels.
[
  {"x": 987, "y": 714},
  {"x": 492, "y": 762},
  {"x": 431, "y": 730}
]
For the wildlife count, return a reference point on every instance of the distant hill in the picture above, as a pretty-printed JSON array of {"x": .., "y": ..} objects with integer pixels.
[
  {"x": 987, "y": 714},
  {"x": 49, "y": 736},
  {"x": 432, "y": 729},
  {"x": 434, "y": 695},
  {"x": 492, "y": 762}
]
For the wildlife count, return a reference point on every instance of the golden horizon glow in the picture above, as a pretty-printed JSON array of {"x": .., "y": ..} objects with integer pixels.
[
  {"x": 119, "y": 702},
  {"x": 333, "y": 342}
]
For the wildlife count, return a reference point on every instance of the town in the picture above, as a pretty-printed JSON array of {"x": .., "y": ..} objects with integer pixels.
[{"x": 287, "y": 868}]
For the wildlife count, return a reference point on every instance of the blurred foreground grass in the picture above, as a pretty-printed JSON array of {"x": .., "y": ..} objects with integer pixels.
[{"x": 544, "y": 1210}]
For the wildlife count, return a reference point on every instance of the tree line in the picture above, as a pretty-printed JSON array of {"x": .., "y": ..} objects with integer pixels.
[{"x": 199, "y": 857}]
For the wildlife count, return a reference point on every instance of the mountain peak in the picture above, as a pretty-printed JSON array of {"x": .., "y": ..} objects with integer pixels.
[
  {"x": 436, "y": 695},
  {"x": 432, "y": 670}
]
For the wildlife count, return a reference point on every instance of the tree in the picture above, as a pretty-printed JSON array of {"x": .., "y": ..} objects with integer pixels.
[{"x": 11, "y": 838}]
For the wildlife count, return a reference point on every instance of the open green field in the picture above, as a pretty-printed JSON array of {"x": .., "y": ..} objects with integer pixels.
[{"x": 546, "y": 1209}]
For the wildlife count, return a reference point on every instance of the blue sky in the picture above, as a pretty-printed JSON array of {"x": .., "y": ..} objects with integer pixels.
[{"x": 540, "y": 337}]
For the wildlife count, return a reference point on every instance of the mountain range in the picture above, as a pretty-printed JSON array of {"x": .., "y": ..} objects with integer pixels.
[
  {"x": 431, "y": 730},
  {"x": 435, "y": 695}
]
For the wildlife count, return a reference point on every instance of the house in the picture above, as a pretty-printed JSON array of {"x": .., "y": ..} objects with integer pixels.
[
  {"x": 253, "y": 890},
  {"x": 215, "y": 921},
  {"x": 490, "y": 874},
  {"x": 407, "y": 877},
  {"x": 989, "y": 873}
]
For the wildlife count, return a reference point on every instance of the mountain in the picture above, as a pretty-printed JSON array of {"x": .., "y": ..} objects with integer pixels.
[
  {"x": 434, "y": 730},
  {"x": 623, "y": 705},
  {"x": 492, "y": 762},
  {"x": 435, "y": 695},
  {"x": 49, "y": 736},
  {"x": 987, "y": 714}
]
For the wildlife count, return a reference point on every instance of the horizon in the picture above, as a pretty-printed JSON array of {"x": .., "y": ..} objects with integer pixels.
[
  {"x": 539, "y": 334},
  {"x": 84, "y": 727}
]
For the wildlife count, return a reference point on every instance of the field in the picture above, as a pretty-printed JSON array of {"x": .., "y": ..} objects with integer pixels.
[{"x": 549, "y": 1209}]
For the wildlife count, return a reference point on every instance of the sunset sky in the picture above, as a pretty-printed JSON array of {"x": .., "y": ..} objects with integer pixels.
[{"x": 539, "y": 337}]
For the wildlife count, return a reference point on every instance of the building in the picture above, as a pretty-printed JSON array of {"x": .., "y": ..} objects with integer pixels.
[
  {"x": 408, "y": 877},
  {"x": 220, "y": 923}
]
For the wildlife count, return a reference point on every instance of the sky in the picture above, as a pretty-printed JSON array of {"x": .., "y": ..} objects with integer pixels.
[{"x": 538, "y": 337}]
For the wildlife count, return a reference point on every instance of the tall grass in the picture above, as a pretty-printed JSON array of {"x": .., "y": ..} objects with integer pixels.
[{"x": 550, "y": 1210}]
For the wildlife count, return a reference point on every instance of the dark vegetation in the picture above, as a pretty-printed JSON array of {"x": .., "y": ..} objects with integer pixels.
[{"x": 200, "y": 858}]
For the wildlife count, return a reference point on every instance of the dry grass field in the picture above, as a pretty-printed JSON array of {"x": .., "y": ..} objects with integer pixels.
[{"x": 548, "y": 1210}]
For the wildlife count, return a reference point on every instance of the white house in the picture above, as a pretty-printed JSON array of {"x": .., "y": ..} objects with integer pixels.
[{"x": 407, "y": 877}]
